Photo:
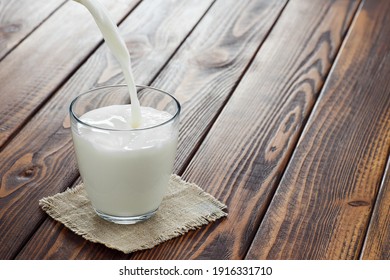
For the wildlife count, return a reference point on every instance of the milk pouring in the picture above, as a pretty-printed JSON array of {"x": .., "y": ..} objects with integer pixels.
[
  {"x": 118, "y": 48},
  {"x": 125, "y": 153}
]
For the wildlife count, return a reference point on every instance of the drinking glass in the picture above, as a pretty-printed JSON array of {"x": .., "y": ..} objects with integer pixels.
[{"x": 125, "y": 171}]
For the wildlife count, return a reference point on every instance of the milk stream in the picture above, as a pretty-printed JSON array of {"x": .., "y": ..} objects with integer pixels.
[
  {"x": 124, "y": 167},
  {"x": 118, "y": 48}
]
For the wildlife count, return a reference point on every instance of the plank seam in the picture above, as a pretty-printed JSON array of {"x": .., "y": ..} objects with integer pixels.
[
  {"x": 32, "y": 30},
  {"x": 180, "y": 172},
  {"x": 59, "y": 86},
  {"x": 226, "y": 101},
  {"x": 37, "y": 226},
  {"x": 305, "y": 121},
  {"x": 386, "y": 170},
  {"x": 40, "y": 222},
  {"x": 180, "y": 44},
  {"x": 43, "y": 103}
]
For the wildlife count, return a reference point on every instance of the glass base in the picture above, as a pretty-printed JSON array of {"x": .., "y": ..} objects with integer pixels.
[{"x": 125, "y": 220}]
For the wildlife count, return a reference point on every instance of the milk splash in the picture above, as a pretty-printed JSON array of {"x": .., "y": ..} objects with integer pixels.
[{"x": 118, "y": 48}]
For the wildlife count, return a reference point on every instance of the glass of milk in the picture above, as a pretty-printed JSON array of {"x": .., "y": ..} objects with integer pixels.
[{"x": 125, "y": 169}]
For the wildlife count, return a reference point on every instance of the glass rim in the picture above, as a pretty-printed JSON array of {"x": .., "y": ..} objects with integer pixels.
[{"x": 73, "y": 114}]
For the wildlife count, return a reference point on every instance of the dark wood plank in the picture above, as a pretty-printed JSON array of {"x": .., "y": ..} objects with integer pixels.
[
  {"x": 246, "y": 150},
  {"x": 215, "y": 54},
  {"x": 40, "y": 161},
  {"x": 32, "y": 71},
  {"x": 18, "y": 18},
  {"x": 323, "y": 204},
  {"x": 377, "y": 243}
]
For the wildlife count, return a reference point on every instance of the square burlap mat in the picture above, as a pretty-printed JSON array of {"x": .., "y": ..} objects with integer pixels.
[{"x": 185, "y": 207}]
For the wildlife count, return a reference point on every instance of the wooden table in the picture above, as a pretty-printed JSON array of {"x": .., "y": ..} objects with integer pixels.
[{"x": 286, "y": 119}]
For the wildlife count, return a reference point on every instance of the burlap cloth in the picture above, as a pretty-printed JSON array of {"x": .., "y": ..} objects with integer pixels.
[{"x": 185, "y": 207}]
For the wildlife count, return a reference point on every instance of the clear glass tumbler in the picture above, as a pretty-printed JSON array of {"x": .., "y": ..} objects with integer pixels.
[{"x": 125, "y": 171}]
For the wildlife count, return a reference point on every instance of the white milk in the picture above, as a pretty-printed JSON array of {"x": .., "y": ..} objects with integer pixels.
[
  {"x": 125, "y": 172},
  {"x": 119, "y": 50}
]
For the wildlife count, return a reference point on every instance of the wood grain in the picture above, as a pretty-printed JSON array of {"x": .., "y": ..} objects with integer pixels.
[
  {"x": 40, "y": 161},
  {"x": 233, "y": 29},
  {"x": 244, "y": 154},
  {"x": 18, "y": 18},
  {"x": 40, "y": 64},
  {"x": 211, "y": 63},
  {"x": 377, "y": 243},
  {"x": 323, "y": 204}
]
